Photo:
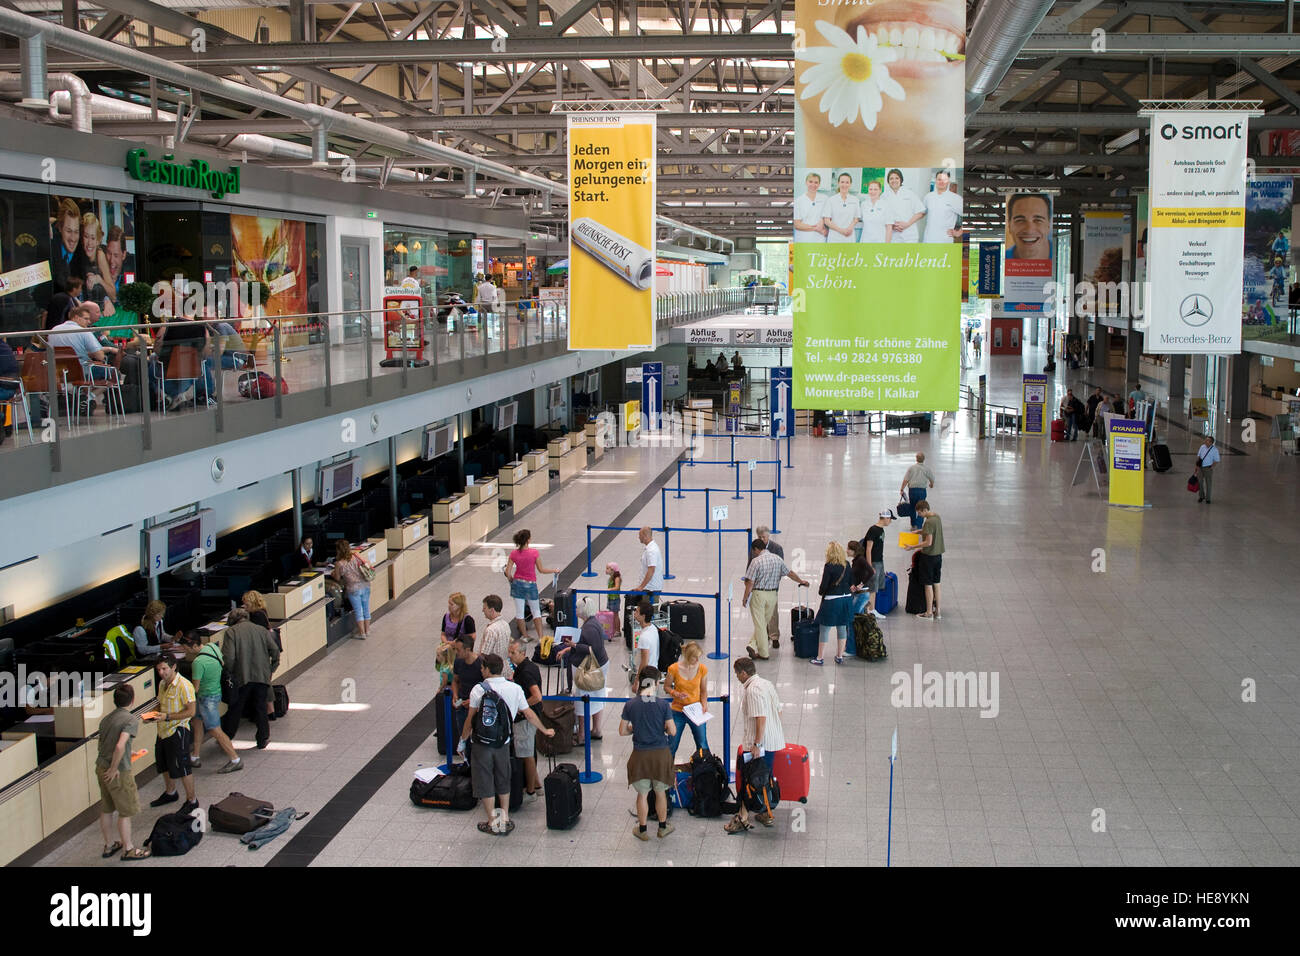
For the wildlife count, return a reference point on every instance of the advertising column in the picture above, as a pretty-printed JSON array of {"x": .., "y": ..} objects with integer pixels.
[
  {"x": 1033, "y": 404},
  {"x": 1127, "y": 439},
  {"x": 1197, "y": 209},
  {"x": 611, "y": 230},
  {"x": 879, "y": 134}
]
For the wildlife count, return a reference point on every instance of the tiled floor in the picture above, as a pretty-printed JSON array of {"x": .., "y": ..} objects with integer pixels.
[{"x": 1121, "y": 735}]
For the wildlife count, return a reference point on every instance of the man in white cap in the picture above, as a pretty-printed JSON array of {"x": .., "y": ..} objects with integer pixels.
[{"x": 873, "y": 544}]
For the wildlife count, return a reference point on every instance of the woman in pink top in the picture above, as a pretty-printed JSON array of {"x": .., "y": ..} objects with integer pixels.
[{"x": 522, "y": 569}]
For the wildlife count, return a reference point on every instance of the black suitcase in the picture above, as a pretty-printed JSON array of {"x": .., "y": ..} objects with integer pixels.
[
  {"x": 805, "y": 638},
  {"x": 801, "y": 611},
  {"x": 629, "y": 626},
  {"x": 564, "y": 609},
  {"x": 915, "y": 603},
  {"x": 516, "y": 783},
  {"x": 686, "y": 620},
  {"x": 563, "y": 797},
  {"x": 1161, "y": 460},
  {"x": 279, "y": 701}
]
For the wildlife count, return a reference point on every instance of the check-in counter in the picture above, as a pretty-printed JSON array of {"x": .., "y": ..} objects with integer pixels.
[
  {"x": 523, "y": 493},
  {"x": 78, "y": 717},
  {"x": 407, "y": 533},
  {"x": 481, "y": 491},
  {"x": 536, "y": 460},
  {"x": 511, "y": 474},
  {"x": 595, "y": 434},
  {"x": 294, "y": 595},
  {"x": 17, "y": 756},
  {"x": 408, "y": 567},
  {"x": 487, "y": 518},
  {"x": 557, "y": 447},
  {"x": 459, "y": 534},
  {"x": 570, "y": 463},
  {"x": 303, "y": 634},
  {"x": 450, "y": 508},
  {"x": 64, "y": 787},
  {"x": 21, "y": 827},
  {"x": 577, "y": 439}
]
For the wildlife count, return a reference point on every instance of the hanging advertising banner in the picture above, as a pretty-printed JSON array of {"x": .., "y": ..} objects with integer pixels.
[
  {"x": 1267, "y": 258},
  {"x": 1029, "y": 251},
  {"x": 990, "y": 270},
  {"x": 1103, "y": 270},
  {"x": 879, "y": 135},
  {"x": 1197, "y": 210},
  {"x": 611, "y": 230}
]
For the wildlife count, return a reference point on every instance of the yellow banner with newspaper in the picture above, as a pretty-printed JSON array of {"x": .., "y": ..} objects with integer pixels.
[{"x": 611, "y": 230}]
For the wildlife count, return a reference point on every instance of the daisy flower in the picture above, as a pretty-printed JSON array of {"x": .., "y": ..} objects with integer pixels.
[{"x": 850, "y": 74}]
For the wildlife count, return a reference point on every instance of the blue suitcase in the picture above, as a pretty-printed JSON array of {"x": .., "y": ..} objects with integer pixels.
[
  {"x": 887, "y": 597},
  {"x": 806, "y": 638}
]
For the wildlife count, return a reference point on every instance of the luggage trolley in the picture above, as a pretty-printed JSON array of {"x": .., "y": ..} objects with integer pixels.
[{"x": 403, "y": 326}]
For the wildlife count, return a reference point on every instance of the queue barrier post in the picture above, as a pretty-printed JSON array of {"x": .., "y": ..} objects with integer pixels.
[
  {"x": 737, "y": 496},
  {"x": 589, "y": 573},
  {"x": 708, "y": 521},
  {"x": 679, "y": 479},
  {"x": 667, "y": 551},
  {"x": 788, "y": 463},
  {"x": 717, "y": 654},
  {"x": 588, "y": 775},
  {"x": 451, "y": 744},
  {"x": 726, "y": 735}
]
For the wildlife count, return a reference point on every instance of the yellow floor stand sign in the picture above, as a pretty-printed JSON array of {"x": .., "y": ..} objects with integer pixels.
[
  {"x": 1127, "y": 462},
  {"x": 1033, "y": 404}
]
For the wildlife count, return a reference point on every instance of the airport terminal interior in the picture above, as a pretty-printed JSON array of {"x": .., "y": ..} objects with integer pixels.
[{"x": 312, "y": 312}]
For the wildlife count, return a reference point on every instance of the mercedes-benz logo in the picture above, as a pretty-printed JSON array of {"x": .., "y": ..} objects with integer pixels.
[{"x": 1195, "y": 310}]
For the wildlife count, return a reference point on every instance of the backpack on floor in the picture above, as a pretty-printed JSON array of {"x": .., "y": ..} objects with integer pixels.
[
  {"x": 760, "y": 792},
  {"x": 259, "y": 385},
  {"x": 868, "y": 638},
  {"x": 708, "y": 779},
  {"x": 174, "y": 834}
]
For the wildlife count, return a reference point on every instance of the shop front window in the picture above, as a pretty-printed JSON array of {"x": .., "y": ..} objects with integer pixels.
[{"x": 432, "y": 264}]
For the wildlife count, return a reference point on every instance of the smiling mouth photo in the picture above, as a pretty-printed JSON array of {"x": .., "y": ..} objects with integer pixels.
[{"x": 928, "y": 38}]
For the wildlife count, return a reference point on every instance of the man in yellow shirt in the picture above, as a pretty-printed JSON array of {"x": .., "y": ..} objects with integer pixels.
[{"x": 176, "y": 705}]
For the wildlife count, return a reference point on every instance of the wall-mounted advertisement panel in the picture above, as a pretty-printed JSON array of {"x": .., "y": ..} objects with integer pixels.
[
  {"x": 1267, "y": 257},
  {"x": 1030, "y": 252},
  {"x": 879, "y": 127}
]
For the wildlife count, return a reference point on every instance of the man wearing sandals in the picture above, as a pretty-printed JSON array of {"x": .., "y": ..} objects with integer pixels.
[
  {"x": 489, "y": 765},
  {"x": 930, "y": 567},
  {"x": 117, "y": 793},
  {"x": 762, "y": 736}
]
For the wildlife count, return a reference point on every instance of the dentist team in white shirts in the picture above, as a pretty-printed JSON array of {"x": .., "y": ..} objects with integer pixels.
[{"x": 891, "y": 214}]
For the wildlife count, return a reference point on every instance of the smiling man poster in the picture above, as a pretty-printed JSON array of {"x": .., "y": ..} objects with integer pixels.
[{"x": 1030, "y": 251}]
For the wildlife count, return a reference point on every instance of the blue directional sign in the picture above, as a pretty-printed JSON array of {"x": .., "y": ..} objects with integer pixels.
[
  {"x": 782, "y": 409},
  {"x": 652, "y": 394}
]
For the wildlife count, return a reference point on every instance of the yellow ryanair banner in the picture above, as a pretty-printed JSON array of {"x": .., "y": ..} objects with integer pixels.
[{"x": 611, "y": 230}]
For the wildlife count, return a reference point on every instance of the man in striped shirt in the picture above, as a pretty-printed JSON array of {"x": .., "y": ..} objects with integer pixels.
[
  {"x": 762, "y": 578},
  {"x": 761, "y": 734}
]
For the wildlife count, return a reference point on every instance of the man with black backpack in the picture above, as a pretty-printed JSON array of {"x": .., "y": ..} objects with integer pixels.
[{"x": 493, "y": 706}]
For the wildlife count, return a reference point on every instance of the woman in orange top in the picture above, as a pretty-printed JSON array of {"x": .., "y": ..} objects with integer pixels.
[{"x": 687, "y": 682}]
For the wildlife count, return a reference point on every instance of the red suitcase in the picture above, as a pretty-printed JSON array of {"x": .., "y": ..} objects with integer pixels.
[
  {"x": 793, "y": 773},
  {"x": 1058, "y": 429}
]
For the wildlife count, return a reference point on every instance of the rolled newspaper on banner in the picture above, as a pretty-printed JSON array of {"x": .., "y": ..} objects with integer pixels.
[{"x": 632, "y": 262}]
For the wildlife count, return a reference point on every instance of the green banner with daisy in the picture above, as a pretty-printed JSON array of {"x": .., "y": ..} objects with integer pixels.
[{"x": 879, "y": 135}]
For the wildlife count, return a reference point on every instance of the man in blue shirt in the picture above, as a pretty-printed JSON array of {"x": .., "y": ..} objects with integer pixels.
[{"x": 1207, "y": 456}]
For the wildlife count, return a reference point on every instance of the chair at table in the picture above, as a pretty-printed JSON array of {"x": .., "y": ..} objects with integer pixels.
[
  {"x": 109, "y": 379},
  {"x": 32, "y": 382},
  {"x": 184, "y": 364},
  {"x": 67, "y": 368}
]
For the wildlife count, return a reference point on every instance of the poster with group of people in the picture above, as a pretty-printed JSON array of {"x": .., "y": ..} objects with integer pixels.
[
  {"x": 877, "y": 255},
  {"x": 92, "y": 241}
]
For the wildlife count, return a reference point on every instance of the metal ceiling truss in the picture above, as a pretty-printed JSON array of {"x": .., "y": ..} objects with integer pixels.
[{"x": 481, "y": 76}]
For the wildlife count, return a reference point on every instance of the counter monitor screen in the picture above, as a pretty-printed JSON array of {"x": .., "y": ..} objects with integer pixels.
[
  {"x": 182, "y": 541},
  {"x": 342, "y": 480}
]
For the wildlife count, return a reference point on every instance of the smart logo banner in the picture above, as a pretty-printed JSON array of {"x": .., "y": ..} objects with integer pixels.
[
  {"x": 1195, "y": 248},
  {"x": 879, "y": 133},
  {"x": 611, "y": 230}
]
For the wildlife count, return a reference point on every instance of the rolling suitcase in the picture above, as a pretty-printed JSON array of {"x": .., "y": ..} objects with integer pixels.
[
  {"x": 564, "y": 604},
  {"x": 279, "y": 701},
  {"x": 608, "y": 623},
  {"x": 801, "y": 611},
  {"x": 629, "y": 627},
  {"x": 240, "y": 814},
  {"x": 563, "y": 796},
  {"x": 516, "y": 783},
  {"x": 887, "y": 596},
  {"x": 1160, "y": 458},
  {"x": 442, "y": 720},
  {"x": 1058, "y": 429},
  {"x": 686, "y": 620},
  {"x": 793, "y": 773},
  {"x": 915, "y": 589},
  {"x": 558, "y": 715}
]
